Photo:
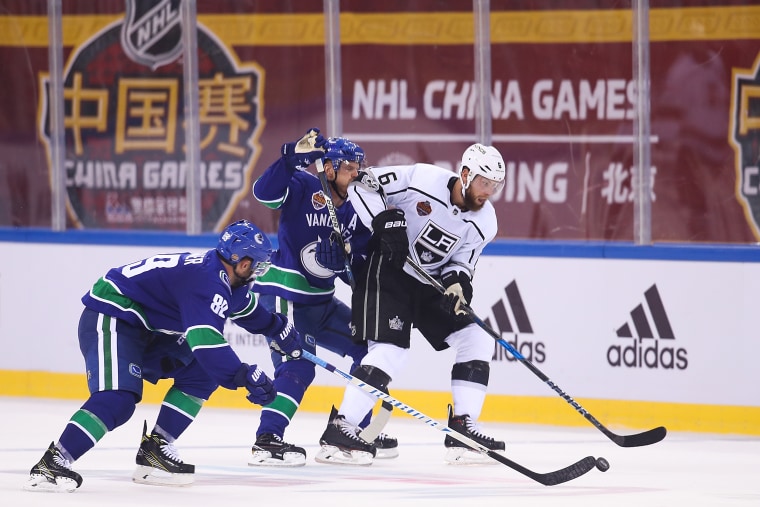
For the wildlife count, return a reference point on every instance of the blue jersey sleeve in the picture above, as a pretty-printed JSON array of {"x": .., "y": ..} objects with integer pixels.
[{"x": 271, "y": 189}]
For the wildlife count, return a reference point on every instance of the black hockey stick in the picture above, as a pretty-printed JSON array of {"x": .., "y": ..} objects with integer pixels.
[
  {"x": 636, "y": 440},
  {"x": 548, "y": 479},
  {"x": 334, "y": 221}
]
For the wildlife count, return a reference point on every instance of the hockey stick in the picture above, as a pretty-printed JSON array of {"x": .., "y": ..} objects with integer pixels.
[
  {"x": 636, "y": 440},
  {"x": 334, "y": 221},
  {"x": 548, "y": 479}
]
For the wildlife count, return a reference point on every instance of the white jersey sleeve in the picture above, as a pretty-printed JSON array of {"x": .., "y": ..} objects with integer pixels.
[{"x": 367, "y": 196}]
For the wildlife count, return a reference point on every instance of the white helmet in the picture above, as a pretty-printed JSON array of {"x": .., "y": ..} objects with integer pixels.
[{"x": 482, "y": 160}]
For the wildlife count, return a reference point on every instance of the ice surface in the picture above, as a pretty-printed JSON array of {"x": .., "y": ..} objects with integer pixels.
[{"x": 686, "y": 469}]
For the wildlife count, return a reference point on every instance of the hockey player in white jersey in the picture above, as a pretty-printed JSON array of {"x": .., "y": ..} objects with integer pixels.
[{"x": 443, "y": 222}]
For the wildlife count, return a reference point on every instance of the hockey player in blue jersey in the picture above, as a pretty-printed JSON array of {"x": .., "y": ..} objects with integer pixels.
[
  {"x": 163, "y": 317},
  {"x": 301, "y": 281}
]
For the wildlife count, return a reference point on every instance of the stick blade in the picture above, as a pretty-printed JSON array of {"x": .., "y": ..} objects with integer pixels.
[
  {"x": 551, "y": 478},
  {"x": 639, "y": 439}
]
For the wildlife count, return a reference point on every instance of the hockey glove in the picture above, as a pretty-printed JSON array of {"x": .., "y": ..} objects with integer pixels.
[
  {"x": 390, "y": 233},
  {"x": 304, "y": 152},
  {"x": 285, "y": 340},
  {"x": 261, "y": 391},
  {"x": 458, "y": 292},
  {"x": 330, "y": 254}
]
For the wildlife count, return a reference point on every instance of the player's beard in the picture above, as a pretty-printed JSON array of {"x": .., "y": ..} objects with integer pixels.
[{"x": 470, "y": 201}]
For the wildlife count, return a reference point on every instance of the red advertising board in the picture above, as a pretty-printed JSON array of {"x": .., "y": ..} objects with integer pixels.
[{"x": 562, "y": 98}]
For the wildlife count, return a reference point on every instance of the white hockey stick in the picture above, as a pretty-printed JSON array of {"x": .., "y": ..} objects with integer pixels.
[{"x": 548, "y": 479}]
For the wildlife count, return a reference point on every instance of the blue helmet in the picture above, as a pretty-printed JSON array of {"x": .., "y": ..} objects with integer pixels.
[
  {"x": 243, "y": 239},
  {"x": 340, "y": 149}
]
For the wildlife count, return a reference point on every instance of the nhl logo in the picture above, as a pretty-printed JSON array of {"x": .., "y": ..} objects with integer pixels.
[
  {"x": 424, "y": 208},
  {"x": 318, "y": 200},
  {"x": 152, "y": 33}
]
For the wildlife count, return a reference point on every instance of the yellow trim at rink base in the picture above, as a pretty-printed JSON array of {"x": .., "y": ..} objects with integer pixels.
[{"x": 549, "y": 410}]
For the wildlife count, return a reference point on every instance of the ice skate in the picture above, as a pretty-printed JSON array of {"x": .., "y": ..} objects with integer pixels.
[
  {"x": 53, "y": 473},
  {"x": 271, "y": 450},
  {"x": 159, "y": 463},
  {"x": 386, "y": 446},
  {"x": 342, "y": 445},
  {"x": 458, "y": 453}
]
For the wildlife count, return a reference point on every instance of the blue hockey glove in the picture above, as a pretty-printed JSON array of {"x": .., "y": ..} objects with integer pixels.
[
  {"x": 389, "y": 230},
  {"x": 304, "y": 152},
  {"x": 285, "y": 340},
  {"x": 458, "y": 292},
  {"x": 330, "y": 254},
  {"x": 261, "y": 391}
]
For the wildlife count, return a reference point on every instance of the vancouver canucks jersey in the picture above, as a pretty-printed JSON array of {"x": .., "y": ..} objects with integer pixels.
[
  {"x": 304, "y": 220},
  {"x": 442, "y": 237},
  {"x": 182, "y": 294}
]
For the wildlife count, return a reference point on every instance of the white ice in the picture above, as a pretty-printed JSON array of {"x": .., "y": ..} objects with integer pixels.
[{"x": 686, "y": 469}]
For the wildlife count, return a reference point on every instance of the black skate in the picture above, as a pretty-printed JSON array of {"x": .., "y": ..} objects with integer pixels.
[
  {"x": 159, "y": 463},
  {"x": 271, "y": 450},
  {"x": 53, "y": 473},
  {"x": 459, "y": 453},
  {"x": 342, "y": 445},
  {"x": 386, "y": 445}
]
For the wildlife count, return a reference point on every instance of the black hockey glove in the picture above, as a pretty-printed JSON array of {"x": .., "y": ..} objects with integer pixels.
[
  {"x": 284, "y": 339},
  {"x": 390, "y": 233},
  {"x": 304, "y": 152},
  {"x": 330, "y": 254},
  {"x": 458, "y": 292},
  {"x": 261, "y": 391}
]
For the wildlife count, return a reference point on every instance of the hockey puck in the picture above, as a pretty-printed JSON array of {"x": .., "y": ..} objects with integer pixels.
[{"x": 602, "y": 464}]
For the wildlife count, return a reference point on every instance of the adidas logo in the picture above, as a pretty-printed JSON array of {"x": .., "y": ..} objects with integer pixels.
[
  {"x": 512, "y": 317},
  {"x": 650, "y": 343}
]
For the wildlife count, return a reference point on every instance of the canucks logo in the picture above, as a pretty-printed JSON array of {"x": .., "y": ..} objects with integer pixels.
[
  {"x": 135, "y": 370},
  {"x": 744, "y": 136}
]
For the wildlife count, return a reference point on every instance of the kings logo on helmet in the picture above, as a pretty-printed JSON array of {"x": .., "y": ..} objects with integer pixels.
[
  {"x": 744, "y": 136},
  {"x": 124, "y": 124}
]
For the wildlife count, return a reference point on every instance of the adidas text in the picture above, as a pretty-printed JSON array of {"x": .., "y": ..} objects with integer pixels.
[
  {"x": 535, "y": 352},
  {"x": 636, "y": 355}
]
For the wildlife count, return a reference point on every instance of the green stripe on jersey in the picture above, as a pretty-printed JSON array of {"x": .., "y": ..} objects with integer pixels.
[
  {"x": 90, "y": 423},
  {"x": 204, "y": 336},
  {"x": 248, "y": 309},
  {"x": 183, "y": 402},
  {"x": 291, "y": 280},
  {"x": 284, "y": 406},
  {"x": 108, "y": 367},
  {"x": 106, "y": 290}
]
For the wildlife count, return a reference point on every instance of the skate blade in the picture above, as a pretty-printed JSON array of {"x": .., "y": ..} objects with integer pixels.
[
  {"x": 156, "y": 477},
  {"x": 463, "y": 456},
  {"x": 387, "y": 453},
  {"x": 265, "y": 459},
  {"x": 332, "y": 455},
  {"x": 38, "y": 482}
]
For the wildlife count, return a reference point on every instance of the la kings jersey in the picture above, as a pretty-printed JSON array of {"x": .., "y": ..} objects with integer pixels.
[{"x": 442, "y": 237}]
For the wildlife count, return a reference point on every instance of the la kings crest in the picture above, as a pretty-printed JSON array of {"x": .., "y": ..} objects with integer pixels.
[{"x": 744, "y": 136}]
